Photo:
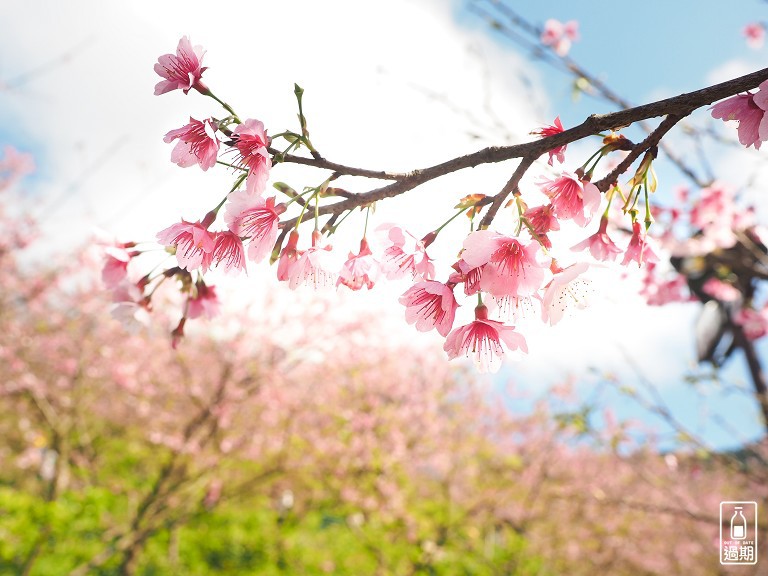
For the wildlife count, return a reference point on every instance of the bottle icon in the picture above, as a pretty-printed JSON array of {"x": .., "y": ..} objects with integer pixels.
[{"x": 738, "y": 525}]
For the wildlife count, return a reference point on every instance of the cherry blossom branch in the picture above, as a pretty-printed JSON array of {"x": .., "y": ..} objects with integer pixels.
[
  {"x": 254, "y": 221},
  {"x": 675, "y": 107}
]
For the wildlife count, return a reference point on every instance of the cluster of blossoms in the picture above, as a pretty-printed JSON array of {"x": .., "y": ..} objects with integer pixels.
[
  {"x": 720, "y": 257},
  {"x": 559, "y": 35},
  {"x": 511, "y": 275},
  {"x": 717, "y": 249},
  {"x": 14, "y": 165}
]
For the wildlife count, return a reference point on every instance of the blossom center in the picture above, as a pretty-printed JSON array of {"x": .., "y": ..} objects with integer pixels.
[
  {"x": 429, "y": 305},
  {"x": 257, "y": 222},
  {"x": 510, "y": 257},
  {"x": 481, "y": 339},
  {"x": 181, "y": 69},
  {"x": 251, "y": 150}
]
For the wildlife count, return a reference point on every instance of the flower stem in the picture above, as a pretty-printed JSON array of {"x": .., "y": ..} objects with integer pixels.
[
  {"x": 226, "y": 106},
  {"x": 451, "y": 219},
  {"x": 648, "y": 217},
  {"x": 610, "y": 199},
  {"x": 231, "y": 165},
  {"x": 317, "y": 209},
  {"x": 332, "y": 229},
  {"x": 598, "y": 153}
]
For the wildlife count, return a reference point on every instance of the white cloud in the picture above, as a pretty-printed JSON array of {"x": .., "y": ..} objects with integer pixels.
[
  {"x": 388, "y": 85},
  {"x": 380, "y": 80},
  {"x": 732, "y": 69}
]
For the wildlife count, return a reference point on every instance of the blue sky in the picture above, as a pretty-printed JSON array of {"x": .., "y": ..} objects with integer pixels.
[
  {"x": 645, "y": 52},
  {"x": 642, "y": 48},
  {"x": 96, "y": 129}
]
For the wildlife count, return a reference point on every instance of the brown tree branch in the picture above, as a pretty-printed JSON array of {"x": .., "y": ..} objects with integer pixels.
[
  {"x": 755, "y": 370},
  {"x": 509, "y": 188},
  {"x": 676, "y": 107}
]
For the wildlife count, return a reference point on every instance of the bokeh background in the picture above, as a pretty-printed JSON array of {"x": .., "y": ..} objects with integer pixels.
[{"x": 308, "y": 432}]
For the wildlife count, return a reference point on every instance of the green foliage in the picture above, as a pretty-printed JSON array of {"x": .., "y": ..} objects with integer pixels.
[
  {"x": 234, "y": 539},
  {"x": 60, "y": 534}
]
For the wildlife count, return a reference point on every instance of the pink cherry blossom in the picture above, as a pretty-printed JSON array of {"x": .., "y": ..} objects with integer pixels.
[
  {"x": 360, "y": 269},
  {"x": 404, "y": 254},
  {"x": 213, "y": 493},
  {"x": 251, "y": 216},
  {"x": 289, "y": 256},
  {"x": 667, "y": 291},
  {"x": 755, "y": 35},
  {"x": 469, "y": 275},
  {"x": 638, "y": 249},
  {"x": 553, "y": 30},
  {"x": 714, "y": 207},
  {"x": 204, "y": 301},
  {"x": 760, "y": 98},
  {"x": 556, "y": 128},
  {"x": 181, "y": 71},
  {"x": 14, "y": 165},
  {"x": 511, "y": 267},
  {"x": 721, "y": 290},
  {"x": 559, "y": 35},
  {"x": 572, "y": 198},
  {"x": 127, "y": 291},
  {"x": 659, "y": 291},
  {"x": 430, "y": 305},
  {"x": 571, "y": 29},
  {"x": 714, "y": 213},
  {"x": 131, "y": 315},
  {"x": 228, "y": 252},
  {"x": 541, "y": 220},
  {"x": 567, "y": 290},
  {"x": 251, "y": 141},
  {"x": 191, "y": 240},
  {"x": 744, "y": 219},
  {"x": 601, "y": 247},
  {"x": 482, "y": 338},
  {"x": 178, "y": 333},
  {"x": 115, "y": 267},
  {"x": 198, "y": 144},
  {"x": 753, "y": 322},
  {"x": 311, "y": 267},
  {"x": 743, "y": 108}
]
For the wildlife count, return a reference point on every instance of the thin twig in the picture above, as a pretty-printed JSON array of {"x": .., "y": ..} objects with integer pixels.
[
  {"x": 339, "y": 168},
  {"x": 509, "y": 188}
]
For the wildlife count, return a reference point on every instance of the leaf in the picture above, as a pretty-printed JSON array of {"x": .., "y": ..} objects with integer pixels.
[{"x": 469, "y": 201}]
